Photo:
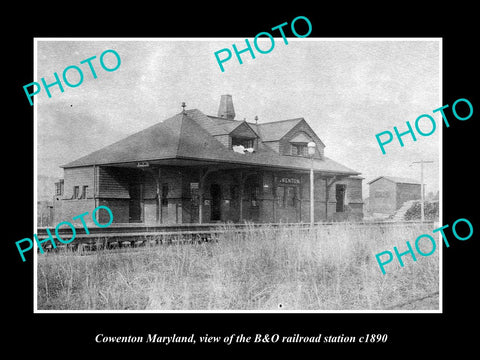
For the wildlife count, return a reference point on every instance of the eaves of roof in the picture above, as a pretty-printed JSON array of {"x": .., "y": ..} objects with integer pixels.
[{"x": 181, "y": 137}]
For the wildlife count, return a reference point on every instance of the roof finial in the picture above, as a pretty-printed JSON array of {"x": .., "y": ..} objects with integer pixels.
[
  {"x": 256, "y": 119},
  {"x": 183, "y": 106}
]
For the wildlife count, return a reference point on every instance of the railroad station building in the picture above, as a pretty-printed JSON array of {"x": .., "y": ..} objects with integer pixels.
[{"x": 197, "y": 168}]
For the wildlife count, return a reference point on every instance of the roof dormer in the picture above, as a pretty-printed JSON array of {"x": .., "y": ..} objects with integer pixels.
[
  {"x": 243, "y": 139},
  {"x": 299, "y": 144}
]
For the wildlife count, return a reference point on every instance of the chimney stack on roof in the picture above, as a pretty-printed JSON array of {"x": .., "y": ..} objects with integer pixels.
[{"x": 226, "y": 109}]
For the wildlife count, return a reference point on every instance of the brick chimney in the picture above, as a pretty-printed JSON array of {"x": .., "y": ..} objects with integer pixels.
[{"x": 226, "y": 109}]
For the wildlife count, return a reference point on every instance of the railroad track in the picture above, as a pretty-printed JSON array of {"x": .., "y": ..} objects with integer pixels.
[{"x": 134, "y": 235}]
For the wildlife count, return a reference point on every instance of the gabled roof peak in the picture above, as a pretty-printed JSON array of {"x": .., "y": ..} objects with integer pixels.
[{"x": 396, "y": 179}]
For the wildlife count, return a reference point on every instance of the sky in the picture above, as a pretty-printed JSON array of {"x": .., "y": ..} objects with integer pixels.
[{"x": 347, "y": 90}]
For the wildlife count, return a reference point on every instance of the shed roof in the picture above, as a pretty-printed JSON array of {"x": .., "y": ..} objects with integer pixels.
[
  {"x": 396, "y": 179},
  {"x": 183, "y": 136}
]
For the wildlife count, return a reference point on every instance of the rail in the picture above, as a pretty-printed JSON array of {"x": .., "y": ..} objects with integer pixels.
[{"x": 138, "y": 234}]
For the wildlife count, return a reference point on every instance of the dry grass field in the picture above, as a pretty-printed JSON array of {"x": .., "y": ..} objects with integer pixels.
[{"x": 327, "y": 268}]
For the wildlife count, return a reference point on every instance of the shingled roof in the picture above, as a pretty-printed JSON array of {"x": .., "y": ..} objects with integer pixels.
[
  {"x": 188, "y": 135},
  {"x": 178, "y": 136},
  {"x": 274, "y": 131}
]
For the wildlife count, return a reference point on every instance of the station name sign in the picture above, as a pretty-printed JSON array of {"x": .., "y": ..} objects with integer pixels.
[{"x": 289, "y": 180}]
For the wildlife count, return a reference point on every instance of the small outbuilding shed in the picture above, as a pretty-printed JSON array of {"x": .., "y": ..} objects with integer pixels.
[{"x": 387, "y": 193}]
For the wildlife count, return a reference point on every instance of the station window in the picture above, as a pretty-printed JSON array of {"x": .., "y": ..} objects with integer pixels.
[
  {"x": 299, "y": 150},
  {"x": 84, "y": 192},
  {"x": 59, "y": 188},
  {"x": 76, "y": 191},
  {"x": 165, "y": 194}
]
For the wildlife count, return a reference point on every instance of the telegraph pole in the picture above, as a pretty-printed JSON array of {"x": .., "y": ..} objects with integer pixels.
[{"x": 421, "y": 162}]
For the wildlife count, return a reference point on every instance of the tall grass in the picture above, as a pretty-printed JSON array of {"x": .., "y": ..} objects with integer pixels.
[{"x": 327, "y": 268}]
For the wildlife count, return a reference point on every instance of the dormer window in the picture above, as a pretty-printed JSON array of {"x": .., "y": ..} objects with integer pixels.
[
  {"x": 245, "y": 142},
  {"x": 243, "y": 145},
  {"x": 243, "y": 139},
  {"x": 299, "y": 149}
]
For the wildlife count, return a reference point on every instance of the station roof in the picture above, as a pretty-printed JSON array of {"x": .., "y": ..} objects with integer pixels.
[
  {"x": 190, "y": 135},
  {"x": 274, "y": 131}
]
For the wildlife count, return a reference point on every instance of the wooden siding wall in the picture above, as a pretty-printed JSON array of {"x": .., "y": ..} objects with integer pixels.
[
  {"x": 382, "y": 196},
  {"x": 81, "y": 176},
  {"x": 113, "y": 183},
  {"x": 149, "y": 186},
  {"x": 353, "y": 190},
  {"x": 180, "y": 207},
  {"x": 67, "y": 207},
  {"x": 119, "y": 208},
  {"x": 119, "y": 179},
  {"x": 65, "y": 210},
  {"x": 353, "y": 200}
]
